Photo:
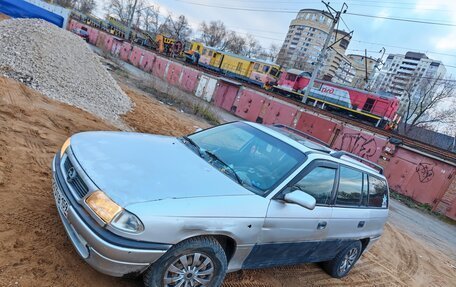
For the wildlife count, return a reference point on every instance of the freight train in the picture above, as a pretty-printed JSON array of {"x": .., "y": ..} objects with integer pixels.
[
  {"x": 258, "y": 72},
  {"x": 366, "y": 106}
]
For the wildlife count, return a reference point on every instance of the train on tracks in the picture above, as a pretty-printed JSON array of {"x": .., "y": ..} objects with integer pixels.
[
  {"x": 254, "y": 71},
  {"x": 379, "y": 109}
]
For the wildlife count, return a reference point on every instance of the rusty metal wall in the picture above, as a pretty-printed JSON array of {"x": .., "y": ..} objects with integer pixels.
[{"x": 225, "y": 95}]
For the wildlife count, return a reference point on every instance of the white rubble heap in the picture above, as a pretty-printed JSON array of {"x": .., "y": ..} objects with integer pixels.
[{"x": 61, "y": 66}]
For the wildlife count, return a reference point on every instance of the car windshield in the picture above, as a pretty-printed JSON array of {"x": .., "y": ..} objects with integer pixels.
[{"x": 251, "y": 157}]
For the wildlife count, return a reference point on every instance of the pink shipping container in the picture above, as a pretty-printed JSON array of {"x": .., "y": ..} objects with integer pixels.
[
  {"x": 135, "y": 56},
  {"x": 189, "y": 79},
  {"x": 93, "y": 36},
  {"x": 225, "y": 94},
  {"x": 174, "y": 73},
  {"x": 279, "y": 113},
  {"x": 125, "y": 51},
  {"x": 420, "y": 177},
  {"x": 249, "y": 104},
  {"x": 147, "y": 61},
  {"x": 159, "y": 68}
]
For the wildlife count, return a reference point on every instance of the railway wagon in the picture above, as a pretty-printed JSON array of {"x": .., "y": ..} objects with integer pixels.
[
  {"x": 258, "y": 72},
  {"x": 364, "y": 105}
]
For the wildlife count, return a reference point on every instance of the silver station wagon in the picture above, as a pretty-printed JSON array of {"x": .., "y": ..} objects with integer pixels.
[{"x": 184, "y": 211}]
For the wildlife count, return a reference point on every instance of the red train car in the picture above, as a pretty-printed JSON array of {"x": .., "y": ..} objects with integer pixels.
[{"x": 375, "y": 108}]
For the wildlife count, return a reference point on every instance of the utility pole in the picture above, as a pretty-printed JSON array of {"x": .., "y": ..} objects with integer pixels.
[
  {"x": 378, "y": 62},
  {"x": 365, "y": 66},
  {"x": 322, "y": 55},
  {"x": 130, "y": 20}
]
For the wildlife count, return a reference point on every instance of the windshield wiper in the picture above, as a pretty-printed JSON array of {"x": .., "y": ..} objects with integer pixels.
[
  {"x": 214, "y": 156},
  {"x": 190, "y": 141}
]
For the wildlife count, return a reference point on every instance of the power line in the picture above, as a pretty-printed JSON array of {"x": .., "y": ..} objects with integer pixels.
[
  {"x": 272, "y": 10},
  {"x": 429, "y": 22}
]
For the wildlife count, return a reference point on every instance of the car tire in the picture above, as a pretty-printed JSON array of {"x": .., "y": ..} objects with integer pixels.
[
  {"x": 209, "y": 255},
  {"x": 344, "y": 260}
]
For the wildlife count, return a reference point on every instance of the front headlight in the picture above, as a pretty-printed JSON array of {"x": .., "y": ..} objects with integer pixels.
[
  {"x": 64, "y": 147},
  {"x": 103, "y": 206},
  {"x": 110, "y": 212},
  {"x": 127, "y": 221}
]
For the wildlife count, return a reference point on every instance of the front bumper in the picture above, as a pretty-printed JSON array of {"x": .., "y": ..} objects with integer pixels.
[{"x": 104, "y": 251}]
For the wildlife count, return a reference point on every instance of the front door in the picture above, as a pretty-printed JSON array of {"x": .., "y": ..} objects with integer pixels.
[{"x": 291, "y": 233}]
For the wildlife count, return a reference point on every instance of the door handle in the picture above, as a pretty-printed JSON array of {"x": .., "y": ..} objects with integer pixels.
[
  {"x": 321, "y": 225},
  {"x": 361, "y": 224}
]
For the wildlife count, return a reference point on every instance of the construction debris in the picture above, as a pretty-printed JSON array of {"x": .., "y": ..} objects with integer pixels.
[{"x": 61, "y": 66}]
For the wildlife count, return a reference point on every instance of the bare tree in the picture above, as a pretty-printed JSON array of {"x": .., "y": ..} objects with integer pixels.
[
  {"x": 234, "y": 43},
  {"x": 65, "y": 3},
  {"x": 180, "y": 28},
  {"x": 152, "y": 19},
  {"x": 85, "y": 6},
  {"x": 273, "y": 52},
  {"x": 253, "y": 47},
  {"x": 423, "y": 106},
  {"x": 123, "y": 9},
  {"x": 214, "y": 33}
]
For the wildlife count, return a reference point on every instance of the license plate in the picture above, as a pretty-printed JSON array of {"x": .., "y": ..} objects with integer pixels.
[{"x": 60, "y": 200}]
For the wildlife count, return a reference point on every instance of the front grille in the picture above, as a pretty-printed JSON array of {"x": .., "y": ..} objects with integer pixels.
[{"x": 76, "y": 181}]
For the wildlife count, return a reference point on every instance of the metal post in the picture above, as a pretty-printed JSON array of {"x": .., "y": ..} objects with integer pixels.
[
  {"x": 322, "y": 54},
  {"x": 130, "y": 21}
]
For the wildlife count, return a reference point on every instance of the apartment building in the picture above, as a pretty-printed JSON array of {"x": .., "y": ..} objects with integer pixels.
[
  {"x": 305, "y": 39},
  {"x": 402, "y": 74}
]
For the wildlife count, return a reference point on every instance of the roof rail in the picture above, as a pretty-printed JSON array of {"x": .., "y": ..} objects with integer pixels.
[
  {"x": 340, "y": 153},
  {"x": 303, "y": 134}
]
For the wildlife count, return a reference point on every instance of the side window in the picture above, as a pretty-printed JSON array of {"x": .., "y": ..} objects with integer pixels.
[
  {"x": 350, "y": 187},
  {"x": 319, "y": 183},
  {"x": 378, "y": 193}
]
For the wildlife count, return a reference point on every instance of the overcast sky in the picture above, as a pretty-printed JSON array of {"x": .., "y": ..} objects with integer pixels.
[{"x": 438, "y": 42}]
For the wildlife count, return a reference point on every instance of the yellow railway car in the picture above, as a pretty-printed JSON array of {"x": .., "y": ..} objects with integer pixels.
[{"x": 255, "y": 71}]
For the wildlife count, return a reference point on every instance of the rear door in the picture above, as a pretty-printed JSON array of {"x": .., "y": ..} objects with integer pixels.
[
  {"x": 350, "y": 220},
  {"x": 291, "y": 233}
]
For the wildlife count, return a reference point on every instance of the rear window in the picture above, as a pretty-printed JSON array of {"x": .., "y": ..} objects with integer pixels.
[
  {"x": 350, "y": 187},
  {"x": 378, "y": 193}
]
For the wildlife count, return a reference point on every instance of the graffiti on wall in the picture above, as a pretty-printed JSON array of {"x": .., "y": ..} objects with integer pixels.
[
  {"x": 425, "y": 172},
  {"x": 357, "y": 143}
]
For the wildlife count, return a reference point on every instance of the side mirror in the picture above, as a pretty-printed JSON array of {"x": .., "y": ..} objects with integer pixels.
[{"x": 301, "y": 198}]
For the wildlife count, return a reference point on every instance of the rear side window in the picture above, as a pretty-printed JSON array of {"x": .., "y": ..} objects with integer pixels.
[
  {"x": 350, "y": 187},
  {"x": 378, "y": 193},
  {"x": 319, "y": 183}
]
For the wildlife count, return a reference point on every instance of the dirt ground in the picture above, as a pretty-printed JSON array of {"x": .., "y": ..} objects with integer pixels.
[{"x": 35, "y": 250}]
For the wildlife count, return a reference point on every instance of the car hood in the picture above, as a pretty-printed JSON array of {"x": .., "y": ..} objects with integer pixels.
[{"x": 133, "y": 168}]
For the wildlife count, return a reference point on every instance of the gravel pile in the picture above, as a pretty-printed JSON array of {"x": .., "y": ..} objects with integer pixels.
[{"x": 61, "y": 66}]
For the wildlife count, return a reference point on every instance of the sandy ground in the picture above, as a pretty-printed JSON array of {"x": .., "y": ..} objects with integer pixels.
[{"x": 35, "y": 250}]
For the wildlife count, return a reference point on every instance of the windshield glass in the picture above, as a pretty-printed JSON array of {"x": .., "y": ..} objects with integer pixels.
[{"x": 253, "y": 158}]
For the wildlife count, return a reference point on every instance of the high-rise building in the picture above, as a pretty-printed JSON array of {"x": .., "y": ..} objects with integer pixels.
[
  {"x": 402, "y": 74},
  {"x": 305, "y": 39}
]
